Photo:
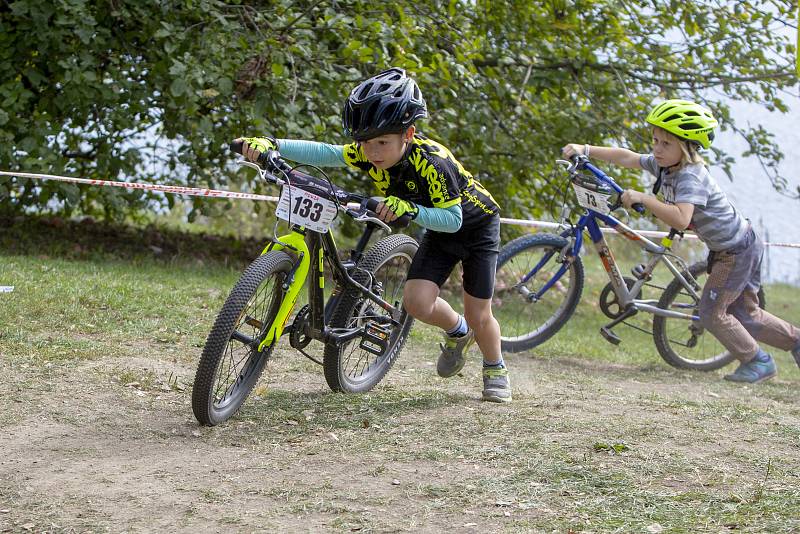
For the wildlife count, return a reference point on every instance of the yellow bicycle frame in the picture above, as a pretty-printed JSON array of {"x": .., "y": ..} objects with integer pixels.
[{"x": 297, "y": 242}]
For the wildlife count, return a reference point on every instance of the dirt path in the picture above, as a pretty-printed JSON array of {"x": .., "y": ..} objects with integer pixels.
[{"x": 110, "y": 444}]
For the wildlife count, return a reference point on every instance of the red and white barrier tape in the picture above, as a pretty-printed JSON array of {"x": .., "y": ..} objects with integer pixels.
[
  {"x": 215, "y": 193},
  {"x": 174, "y": 189}
]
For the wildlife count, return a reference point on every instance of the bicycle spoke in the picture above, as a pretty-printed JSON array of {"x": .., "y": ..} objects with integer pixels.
[
  {"x": 355, "y": 361},
  {"x": 237, "y": 353}
]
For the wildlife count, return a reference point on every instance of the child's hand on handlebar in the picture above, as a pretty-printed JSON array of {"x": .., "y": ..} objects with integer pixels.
[
  {"x": 631, "y": 197},
  {"x": 393, "y": 207},
  {"x": 253, "y": 147},
  {"x": 573, "y": 149}
]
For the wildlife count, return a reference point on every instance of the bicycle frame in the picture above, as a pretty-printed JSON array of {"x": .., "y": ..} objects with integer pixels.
[
  {"x": 311, "y": 248},
  {"x": 589, "y": 223}
]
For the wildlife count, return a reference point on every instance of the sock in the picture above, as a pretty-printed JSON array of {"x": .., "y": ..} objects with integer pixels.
[
  {"x": 460, "y": 329},
  {"x": 761, "y": 356},
  {"x": 499, "y": 365}
]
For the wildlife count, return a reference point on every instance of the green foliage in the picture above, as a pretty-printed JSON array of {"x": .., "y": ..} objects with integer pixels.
[{"x": 153, "y": 91}]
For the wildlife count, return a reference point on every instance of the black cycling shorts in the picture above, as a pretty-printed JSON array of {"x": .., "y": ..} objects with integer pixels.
[{"x": 476, "y": 248}]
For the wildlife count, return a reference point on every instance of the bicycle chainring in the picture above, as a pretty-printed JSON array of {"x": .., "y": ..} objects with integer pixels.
[
  {"x": 300, "y": 336},
  {"x": 609, "y": 304}
]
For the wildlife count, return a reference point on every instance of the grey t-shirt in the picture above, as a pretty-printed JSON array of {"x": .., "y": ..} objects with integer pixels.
[{"x": 715, "y": 220}]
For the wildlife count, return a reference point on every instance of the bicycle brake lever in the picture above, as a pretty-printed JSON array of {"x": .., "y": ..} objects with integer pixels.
[{"x": 363, "y": 217}]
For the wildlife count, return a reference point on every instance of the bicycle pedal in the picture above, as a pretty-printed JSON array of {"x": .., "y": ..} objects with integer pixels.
[
  {"x": 375, "y": 338},
  {"x": 610, "y": 336}
]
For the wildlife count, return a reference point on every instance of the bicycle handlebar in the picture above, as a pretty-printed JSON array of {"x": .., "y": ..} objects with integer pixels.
[
  {"x": 582, "y": 162},
  {"x": 271, "y": 161}
]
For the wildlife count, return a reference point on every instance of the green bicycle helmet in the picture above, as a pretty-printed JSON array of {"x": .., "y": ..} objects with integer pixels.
[{"x": 686, "y": 120}]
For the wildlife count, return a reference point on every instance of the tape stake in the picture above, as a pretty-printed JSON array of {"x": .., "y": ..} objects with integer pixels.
[{"x": 6, "y": 289}]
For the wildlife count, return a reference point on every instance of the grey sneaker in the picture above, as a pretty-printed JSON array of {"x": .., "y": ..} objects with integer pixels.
[
  {"x": 452, "y": 360},
  {"x": 496, "y": 385},
  {"x": 754, "y": 371}
]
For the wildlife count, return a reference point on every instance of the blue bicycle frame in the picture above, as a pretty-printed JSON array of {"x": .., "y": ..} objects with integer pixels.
[{"x": 589, "y": 223}]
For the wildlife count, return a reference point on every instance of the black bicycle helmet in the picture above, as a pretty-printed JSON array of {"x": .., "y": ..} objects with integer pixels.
[{"x": 388, "y": 102}]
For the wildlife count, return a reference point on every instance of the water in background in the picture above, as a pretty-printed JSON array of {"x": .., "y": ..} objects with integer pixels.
[{"x": 775, "y": 216}]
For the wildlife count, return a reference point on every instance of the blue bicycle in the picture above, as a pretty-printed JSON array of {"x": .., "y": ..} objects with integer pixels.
[{"x": 540, "y": 279}]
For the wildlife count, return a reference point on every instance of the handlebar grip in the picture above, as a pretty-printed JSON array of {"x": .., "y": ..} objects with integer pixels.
[
  {"x": 638, "y": 207},
  {"x": 401, "y": 222},
  {"x": 236, "y": 146},
  {"x": 372, "y": 204}
]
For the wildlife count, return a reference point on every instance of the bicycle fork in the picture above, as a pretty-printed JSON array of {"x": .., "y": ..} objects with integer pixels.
[{"x": 296, "y": 242}]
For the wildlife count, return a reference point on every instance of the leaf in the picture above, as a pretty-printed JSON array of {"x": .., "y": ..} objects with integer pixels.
[{"x": 178, "y": 87}]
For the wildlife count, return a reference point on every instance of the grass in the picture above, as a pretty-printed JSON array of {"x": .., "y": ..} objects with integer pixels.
[{"x": 97, "y": 359}]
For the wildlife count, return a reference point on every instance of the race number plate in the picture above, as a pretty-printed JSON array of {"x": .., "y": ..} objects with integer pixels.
[
  {"x": 298, "y": 206},
  {"x": 592, "y": 200}
]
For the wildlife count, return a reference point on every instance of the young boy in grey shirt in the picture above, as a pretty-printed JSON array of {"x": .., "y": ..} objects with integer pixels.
[{"x": 693, "y": 200}]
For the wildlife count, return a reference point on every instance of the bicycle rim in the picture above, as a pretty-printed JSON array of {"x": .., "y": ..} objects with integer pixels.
[
  {"x": 357, "y": 364},
  {"x": 231, "y": 363},
  {"x": 349, "y": 367},
  {"x": 683, "y": 343},
  {"x": 525, "y": 323},
  {"x": 240, "y": 362}
]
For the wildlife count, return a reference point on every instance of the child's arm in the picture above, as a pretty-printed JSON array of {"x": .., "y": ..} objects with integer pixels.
[
  {"x": 312, "y": 152},
  {"x": 308, "y": 152},
  {"x": 446, "y": 220},
  {"x": 677, "y": 216},
  {"x": 618, "y": 156}
]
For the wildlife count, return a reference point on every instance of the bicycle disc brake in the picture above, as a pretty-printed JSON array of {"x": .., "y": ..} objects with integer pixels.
[
  {"x": 609, "y": 304},
  {"x": 300, "y": 336}
]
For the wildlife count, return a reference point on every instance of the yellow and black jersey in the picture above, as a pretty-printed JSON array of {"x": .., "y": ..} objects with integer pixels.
[{"x": 430, "y": 176}]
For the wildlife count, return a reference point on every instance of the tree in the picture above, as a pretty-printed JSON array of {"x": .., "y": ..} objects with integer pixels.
[{"x": 153, "y": 91}]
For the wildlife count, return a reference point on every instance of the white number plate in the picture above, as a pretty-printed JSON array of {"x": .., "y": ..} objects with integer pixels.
[
  {"x": 298, "y": 206},
  {"x": 592, "y": 200}
]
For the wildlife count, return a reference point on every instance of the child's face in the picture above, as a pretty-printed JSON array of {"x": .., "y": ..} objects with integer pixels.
[
  {"x": 386, "y": 150},
  {"x": 666, "y": 148}
]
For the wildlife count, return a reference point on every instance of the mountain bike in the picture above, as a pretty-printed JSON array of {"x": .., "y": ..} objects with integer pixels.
[
  {"x": 363, "y": 325},
  {"x": 540, "y": 279}
]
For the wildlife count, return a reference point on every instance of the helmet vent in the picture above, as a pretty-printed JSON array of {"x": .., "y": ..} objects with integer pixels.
[
  {"x": 364, "y": 91},
  {"x": 390, "y": 110}
]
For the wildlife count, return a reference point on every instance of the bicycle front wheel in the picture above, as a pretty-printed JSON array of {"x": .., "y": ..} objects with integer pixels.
[
  {"x": 683, "y": 343},
  {"x": 231, "y": 363},
  {"x": 348, "y": 367},
  {"x": 526, "y": 322}
]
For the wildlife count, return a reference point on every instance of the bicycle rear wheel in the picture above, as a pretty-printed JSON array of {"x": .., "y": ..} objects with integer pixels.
[
  {"x": 525, "y": 323},
  {"x": 348, "y": 367},
  {"x": 231, "y": 363},
  {"x": 682, "y": 343}
]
